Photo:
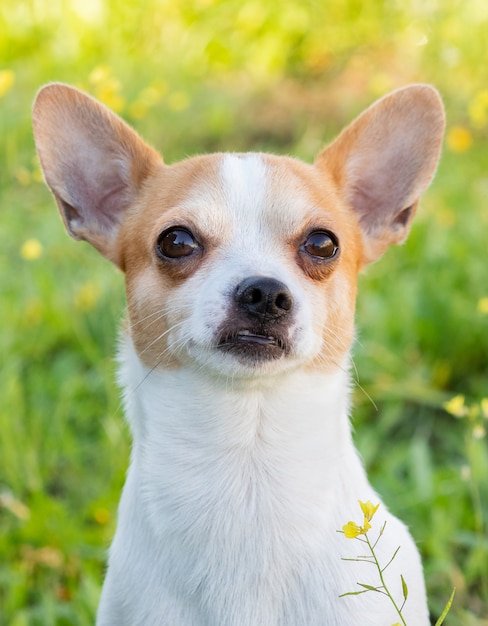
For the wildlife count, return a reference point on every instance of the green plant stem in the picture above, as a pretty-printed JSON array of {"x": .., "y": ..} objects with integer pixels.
[
  {"x": 446, "y": 610},
  {"x": 380, "y": 571}
]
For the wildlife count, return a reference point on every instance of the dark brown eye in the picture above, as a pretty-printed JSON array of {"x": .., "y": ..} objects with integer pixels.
[
  {"x": 321, "y": 244},
  {"x": 175, "y": 243}
]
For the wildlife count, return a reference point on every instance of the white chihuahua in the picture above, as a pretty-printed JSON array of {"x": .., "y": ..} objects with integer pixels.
[{"x": 241, "y": 274}]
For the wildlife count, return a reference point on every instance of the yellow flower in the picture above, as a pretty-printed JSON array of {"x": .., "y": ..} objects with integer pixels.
[
  {"x": 109, "y": 94},
  {"x": 7, "y": 79},
  {"x": 106, "y": 88},
  {"x": 87, "y": 296},
  {"x": 99, "y": 74},
  {"x": 459, "y": 139},
  {"x": 483, "y": 306},
  {"x": 31, "y": 250},
  {"x": 101, "y": 516},
  {"x": 368, "y": 509},
  {"x": 478, "y": 109},
  {"x": 351, "y": 530},
  {"x": 484, "y": 408},
  {"x": 23, "y": 176},
  {"x": 455, "y": 406}
]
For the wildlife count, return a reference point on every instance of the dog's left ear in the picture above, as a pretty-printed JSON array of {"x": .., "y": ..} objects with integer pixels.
[
  {"x": 93, "y": 162},
  {"x": 384, "y": 161}
]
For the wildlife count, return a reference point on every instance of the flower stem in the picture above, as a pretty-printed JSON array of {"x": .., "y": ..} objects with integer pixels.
[{"x": 380, "y": 572}]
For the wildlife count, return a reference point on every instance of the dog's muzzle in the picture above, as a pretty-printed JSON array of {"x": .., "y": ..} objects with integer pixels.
[{"x": 257, "y": 328}]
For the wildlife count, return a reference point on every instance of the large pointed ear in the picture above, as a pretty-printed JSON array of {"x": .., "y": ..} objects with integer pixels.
[
  {"x": 93, "y": 162},
  {"x": 385, "y": 160}
]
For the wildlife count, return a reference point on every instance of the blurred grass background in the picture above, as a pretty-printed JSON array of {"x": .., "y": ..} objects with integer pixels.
[{"x": 201, "y": 75}]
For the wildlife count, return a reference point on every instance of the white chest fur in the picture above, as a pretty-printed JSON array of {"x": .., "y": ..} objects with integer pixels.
[{"x": 232, "y": 502}]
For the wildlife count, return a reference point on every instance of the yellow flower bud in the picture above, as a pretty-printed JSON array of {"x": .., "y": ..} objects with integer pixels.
[{"x": 368, "y": 509}]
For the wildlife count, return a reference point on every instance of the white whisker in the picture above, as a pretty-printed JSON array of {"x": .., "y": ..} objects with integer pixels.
[{"x": 162, "y": 335}]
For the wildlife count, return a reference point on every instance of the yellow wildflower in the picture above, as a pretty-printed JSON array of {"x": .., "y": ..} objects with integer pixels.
[
  {"x": 99, "y": 74},
  {"x": 484, "y": 408},
  {"x": 37, "y": 175},
  {"x": 109, "y": 94},
  {"x": 101, "y": 516},
  {"x": 31, "y": 250},
  {"x": 483, "y": 306},
  {"x": 459, "y": 139},
  {"x": 455, "y": 406},
  {"x": 23, "y": 176},
  {"x": 478, "y": 109},
  {"x": 368, "y": 509},
  {"x": 7, "y": 79},
  {"x": 106, "y": 88},
  {"x": 351, "y": 530},
  {"x": 87, "y": 296}
]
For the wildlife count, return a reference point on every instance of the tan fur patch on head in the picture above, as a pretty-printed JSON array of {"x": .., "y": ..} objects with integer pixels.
[
  {"x": 332, "y": 286},
  {"x": 172, "y": 197},
  {"x": 296, "y": 199}
]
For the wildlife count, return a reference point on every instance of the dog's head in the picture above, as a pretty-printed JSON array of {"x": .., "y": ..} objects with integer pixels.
[{"x": 242, "y": 264}]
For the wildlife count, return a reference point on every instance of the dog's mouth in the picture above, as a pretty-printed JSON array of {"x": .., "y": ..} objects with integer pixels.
[{"x": 253, "y": 345}]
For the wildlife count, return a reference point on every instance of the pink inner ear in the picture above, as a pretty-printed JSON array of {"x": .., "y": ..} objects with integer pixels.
[
  {"x": 94, "y": 200},
  {"x": 382, "y": 192},
  {"x": 403, "y": 218},
  {"x": 93, "y": 162},
  {"x": 93, "y": 180},
  {"x": 385, "y": 160},
  {"x": 380, "y": 205}
]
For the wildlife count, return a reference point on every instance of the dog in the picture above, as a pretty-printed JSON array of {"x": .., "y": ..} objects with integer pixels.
[{"x": 241, "y": 274}]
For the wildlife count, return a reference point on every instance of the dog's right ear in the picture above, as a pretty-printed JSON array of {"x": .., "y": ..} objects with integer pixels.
[
  {"x": 383, "y": 162},
  {"x": 92, "y": 161}
]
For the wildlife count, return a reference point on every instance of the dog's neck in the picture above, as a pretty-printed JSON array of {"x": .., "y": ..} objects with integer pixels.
[
  {"x": 246, "y": 478},
  {"x": 215, "y": 411}
]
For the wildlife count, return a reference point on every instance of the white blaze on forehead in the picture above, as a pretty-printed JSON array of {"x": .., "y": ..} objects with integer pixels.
[
  {"x": 266, "y": 193},
  {"x": 244, "y": 178},
  {"x": 262, "y": 212},
  {"x": 259, "y": 222}
]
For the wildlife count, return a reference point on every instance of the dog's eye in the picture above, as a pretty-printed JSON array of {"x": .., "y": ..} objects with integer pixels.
[
  {"x": 175, "y": 243},
  {"x": 321, "y": 244}
]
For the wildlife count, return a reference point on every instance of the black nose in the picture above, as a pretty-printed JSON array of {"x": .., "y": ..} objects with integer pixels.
[{"x": 264, "y": 298}]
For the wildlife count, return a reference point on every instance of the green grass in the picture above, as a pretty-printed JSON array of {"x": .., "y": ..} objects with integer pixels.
[{"x": 209, "y": 75}]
